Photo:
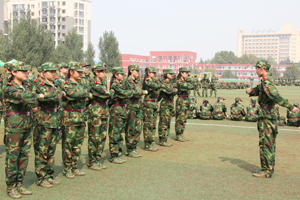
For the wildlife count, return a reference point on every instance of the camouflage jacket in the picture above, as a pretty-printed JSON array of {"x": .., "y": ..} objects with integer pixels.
[
  {"x": 76, "y": 94},
  {"x": 52, "y": 96},
  {"x": 167, "y": 93},
  {"x": 152, "y": 86},
  {"x": 237, "y": 111},
  {"x": 31, "y": 78},
  {"x": 205, "y": 82},
  {"x": 59, "y": 81},
  {"x": 292, "y": 117},
  {"x": 205, "y": 111},
  {"x": 135, "y": 85},
  {"x": 101, "y": 95},
  {"x": 183, "y": 87},
  {"x": 268, "y": 96},
  {"x": 252, "y": 112},
  {"x": 86, "y": 80},
  {"x": 18, "y": 99},
  {"x": 214, "y": 81},
  {"x": 5, "y": 79},
  {"x": 119, "y": 99},
  {"x": 219, "y": 110}
]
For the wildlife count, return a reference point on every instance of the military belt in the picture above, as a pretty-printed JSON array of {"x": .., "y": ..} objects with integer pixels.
[
  {"x": 74, "y": 110},
  {"x": 204, "y": 115},
  {"x": 18, "y": 113},
  {"x": 151, "y": 100},
  {"x": 218, "y": 113},
  {"x": 235, "y": 114},
  {"x": 98, "y": 103},
  {"x": 123, "y": 105},
  {"x": 134, "y": 99},
  {"x": 170, "y": 100},
  {"x": 183, "y": 95},
  {"x": 294, "y": 117},
  {"x": 50, "y": 109},
  {"x": 267, "y": 107}
]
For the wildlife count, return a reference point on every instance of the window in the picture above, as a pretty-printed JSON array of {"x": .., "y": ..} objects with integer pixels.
[
  {"x": 63, "y": 34},
  {"x": 51, "y": 3},
  {"x": 44, "y": 11},
  {"x": 52, "y": 19},
  {"x": 32, "y": 14},
  {"x": 81, "y": 6},
  {"x": 81, "y": 14},
  {"x": 63, "y": 27},
  {"x": 153, "y": 59},
  {"x": 15, "y": 6},
  {"x": 52, "y": 27},
  {"x": 63, "y": 19},
  {"x": 81, "y": 21},
  {"x": 184, "y": 58},
  {"x": 159, "y": 60},
  {"x": 46, "y": 27},
  {"x": 44, "y": 19},
  {"x": 32, "y": 6},
  {"x": 22, "y": 6},
  {"x": 170, "y": 59},
  {"x": 179, "y": 58},
  {"x": 52, "y": 11},
  {"x": 174, "y": 58},
  {"x": 44, "y": 3},
  {"x": 63, "y": 11},
  {"x": 81, "y": 29},
  {"x": 63, "y": 3}
]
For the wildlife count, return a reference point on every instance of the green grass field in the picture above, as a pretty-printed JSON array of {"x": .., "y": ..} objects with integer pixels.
[{"x": 216, "y": 163}]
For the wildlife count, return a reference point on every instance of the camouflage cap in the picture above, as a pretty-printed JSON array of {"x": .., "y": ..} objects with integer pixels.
[
  {"x": 263, "y": 64},
  {"x": 29, "y": 67},
  {"x": 205, "y": 100},
  {"x": 133, "y": 67},
  {"x": 183, "y": 69},
  {"x": 220, "y": 98},
  {"x": 238, "y": 99},
  {"x": 48, "y": 67},
  {"x": 168, "y": 71},
  {"x": 75, "y": 66},
  {"x": 18, "y": 66},
  {"x": 83, "y": 64},
  {"x": 118, "y": 70},
  {"x": 61, "y": 65},
  {"x": 40, "y": 69},
  {"x": 253, "y": 100},
  {"x": 151, "y": 69},
  {"x": 296, "y": 104},
  {"x": 99, "y": 66}
]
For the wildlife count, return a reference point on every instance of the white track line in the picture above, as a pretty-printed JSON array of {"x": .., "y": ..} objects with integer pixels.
[{"x": 235, "y": 126}]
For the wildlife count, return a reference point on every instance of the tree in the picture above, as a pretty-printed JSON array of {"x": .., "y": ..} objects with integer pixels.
[
  {"x": 247, "y": 59},
  {"x": 210, "y": 69},
  {"x": 228, "y": 74},
  {"x": 286, "y": 61},
  {"x": 201, "y": 61},
  {"x": 90, "y": 54},
  {"x": 61, "y": 54},
  {"x": 273, "y": 71},
  {"x": 74, "y": 43},
  {"x": 224, "y": 57},
  {"x": 208, "y": 61},
  {"x": 272, "y": 60},
  {"x": 109, "y": 50},
  {"x": 292, "y": 71}
]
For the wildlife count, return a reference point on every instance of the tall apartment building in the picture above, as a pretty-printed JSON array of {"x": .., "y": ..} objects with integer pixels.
[
  {"x": 281, "y": 45},
  {"x": 57, "y": 16}
]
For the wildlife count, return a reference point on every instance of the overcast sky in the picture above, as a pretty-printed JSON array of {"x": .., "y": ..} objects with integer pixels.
[{"x": 204, "y": 27}]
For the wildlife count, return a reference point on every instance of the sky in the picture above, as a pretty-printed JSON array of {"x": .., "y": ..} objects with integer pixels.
[{"x": 204, "y": 27}]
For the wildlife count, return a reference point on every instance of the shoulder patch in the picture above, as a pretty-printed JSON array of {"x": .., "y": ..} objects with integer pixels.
[
  {"x": 56, "y": 77},
  {"x": 9, "y": 83},
  {"x": 42, "y": 83},
  {"x": 36, "y": 80},
  {"x": 96, "y": 82},
  {"x": 66, "y": 82}
]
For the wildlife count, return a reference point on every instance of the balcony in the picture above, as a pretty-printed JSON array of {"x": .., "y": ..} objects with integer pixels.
[
  {"x": 52, "y": 7},
  {"x": 15, "y": 9},
  {"x": 58, "y": 14},
  {"x": 52, "y": 30},
  {"x": 44, "y": 6},
  {"x": 52, "y": 14},
  {"x": 44, "y": 14},
  {"x": 58, "y": 38},
  {"x": 58, "y": 22},
  {"x": 58, "y": 30},
  {"x": 44, "y": 22},
  {"x": 22, "y": 9},
  {"x": 52, "y": 22}
]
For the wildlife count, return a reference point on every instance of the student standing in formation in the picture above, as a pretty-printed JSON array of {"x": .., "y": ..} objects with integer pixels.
[
  {"x": 46, "y": 134},
  {"x": 73, "y": 120},
  {"x": 166, "y": 107},
  {"x": 19, "y": 101},
  {"x": 184, "y": 85},
  {"x": 134, "y": 121},
  {"x": 152, "y": 85},
  {"x": 98, "y": 116},
  {"x": 118, "y": 115}
]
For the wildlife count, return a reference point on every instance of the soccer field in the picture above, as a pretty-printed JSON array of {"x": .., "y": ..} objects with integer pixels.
[{"x": 217, "y": 163}]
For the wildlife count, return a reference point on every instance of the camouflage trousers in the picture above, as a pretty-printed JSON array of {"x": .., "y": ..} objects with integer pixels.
[
  {"x": 44, "y": 143},
  {"x": 196, "y": 91},
  {"x": 181, "y": 118},
  {"x": 213, "y": 90},
  {"x": 149, "y": 128},
  {"x": 17, "y": 146},
  {"x": 165, "y": 116},
  {"x": 293, "y": 123},
  {"x": 204, "y": 91},
  {"x": 116, "y": 128},
  {"x": 72, "y": 139},
  {"x": 97, "y": 129},
  {"x": 133, "y": 129},
  {"x": 267, "y": 129}
]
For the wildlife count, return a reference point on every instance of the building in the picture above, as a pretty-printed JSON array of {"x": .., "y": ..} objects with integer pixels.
[
  {"x": 281, "y": 45},
  {"x": 58, "y": 16},
  {"x": 176, "y": 59},
  {"x": 161, "y": 60}
]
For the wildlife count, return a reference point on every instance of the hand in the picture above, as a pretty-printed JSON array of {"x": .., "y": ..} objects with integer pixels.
[
  {"x": 145, "y": 92},
  {"x": 35, "y": 110},
  {"x": 112, "y": 91},
  {"x": 92, "y": 96},
  {"x": 249, "y": 90},
  {"x": 41, "y": 96},
  {"x": 64, "y": 93},
  {"x": 295, "y": 109}
]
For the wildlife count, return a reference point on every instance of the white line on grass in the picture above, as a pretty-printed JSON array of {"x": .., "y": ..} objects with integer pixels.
[{"x": 235, "y": 126}]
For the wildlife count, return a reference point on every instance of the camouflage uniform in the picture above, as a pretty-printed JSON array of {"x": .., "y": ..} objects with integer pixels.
[
  {"x": 73, "y": 122},
  {"x": 46, "y": 135},
  {"x": 267, "y": 123},
  {"x": 193, "y": 109},
  {"x": 150, "y": 109},
  {"x": 18, "y": 124},
  {"x": 205, "y": 82},
  {"x": 252, "y": 111},
  {"x": 118, "y": 116},
  {"x": 205, "y": 110},
  {"x": 237, "y": 111},
  {"x": 98, "y": 118},
  {"x": 166, "y": 108},
  {"x": 134, "y": 119},
  {"x": 219, "y": 110},
  {"x": 213, "y": 87},
  {"x": 293, "y": 119},
  {"x": 196, "y": 89},
  {"x": 182, "y": 104}
]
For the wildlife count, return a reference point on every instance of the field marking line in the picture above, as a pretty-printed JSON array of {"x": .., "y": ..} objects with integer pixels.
[{"x": 235, "y": 126}]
